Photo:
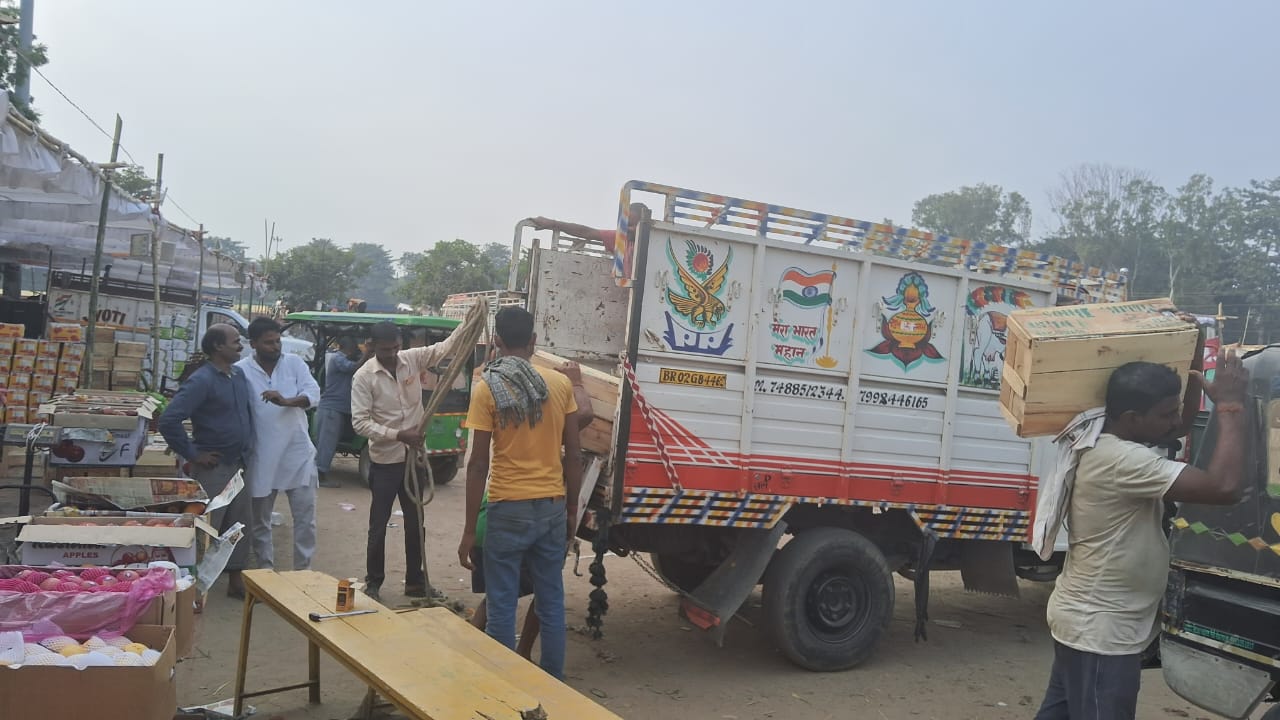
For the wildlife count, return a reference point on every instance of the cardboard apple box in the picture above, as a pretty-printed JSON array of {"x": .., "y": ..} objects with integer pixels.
[
  {"x": 137, "y": 693},
  {"x": 108, "y": 541}
]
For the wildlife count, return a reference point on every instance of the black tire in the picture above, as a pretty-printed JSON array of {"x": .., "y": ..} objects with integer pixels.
[
  {"x": 680, "y": 572},
  {"x": 444, "y": 468},
  {"x": 1273, "y": 713},
  {"x": 366, "y": 463},
  {"x": 1040, "y": 573},
  {"x": 828, "y": 597}
]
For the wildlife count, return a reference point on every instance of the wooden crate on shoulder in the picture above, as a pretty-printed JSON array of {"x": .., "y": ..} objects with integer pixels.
[
  {"x": 603, "y": 388},
  {"x": 1058, "y": 360}
]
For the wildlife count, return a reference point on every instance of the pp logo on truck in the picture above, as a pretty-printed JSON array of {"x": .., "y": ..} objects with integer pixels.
[{"x": 715, "y": 381}]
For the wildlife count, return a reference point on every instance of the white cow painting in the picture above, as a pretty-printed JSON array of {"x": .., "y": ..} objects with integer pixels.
[{"x": 987, "y": 332}]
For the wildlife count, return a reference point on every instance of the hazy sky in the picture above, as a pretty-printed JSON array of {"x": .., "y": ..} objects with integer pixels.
[{"x": 404, "y": 123}]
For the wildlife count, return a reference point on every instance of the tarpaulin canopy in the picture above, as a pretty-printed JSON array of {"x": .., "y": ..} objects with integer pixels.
[{"x": 50, "y": 199}]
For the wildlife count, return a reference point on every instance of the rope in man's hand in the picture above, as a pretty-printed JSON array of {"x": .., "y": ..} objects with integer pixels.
[{"x": 469, "y": 334}]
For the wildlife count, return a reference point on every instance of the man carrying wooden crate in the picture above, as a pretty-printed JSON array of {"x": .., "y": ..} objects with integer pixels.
[{"x": 1103, "y": 611}]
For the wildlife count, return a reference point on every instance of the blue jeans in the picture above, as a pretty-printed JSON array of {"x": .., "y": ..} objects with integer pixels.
[
  {"x": 532, "y": 533},
  {"x": 329, "y": 424},
  {"x": 1085, "y": 686}
]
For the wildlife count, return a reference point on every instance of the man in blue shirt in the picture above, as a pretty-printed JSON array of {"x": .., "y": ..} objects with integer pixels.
[
  {"x": 333, "y": 415},
  {"x": 216, "y": 400}
]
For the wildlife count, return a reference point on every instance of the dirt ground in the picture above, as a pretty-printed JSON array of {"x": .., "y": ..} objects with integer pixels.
[{"x": 986, "y": 657}]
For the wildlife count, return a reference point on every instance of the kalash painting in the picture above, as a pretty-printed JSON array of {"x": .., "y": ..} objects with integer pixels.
[{"x": 906, "y": 324}]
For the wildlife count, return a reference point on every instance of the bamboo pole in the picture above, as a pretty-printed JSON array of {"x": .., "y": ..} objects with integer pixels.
[
  {"x": 155, "y": 279},
  {"x": 97, "y": 258}
]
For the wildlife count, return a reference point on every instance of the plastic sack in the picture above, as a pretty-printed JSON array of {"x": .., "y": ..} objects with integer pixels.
[
  {"x": 80, "y": 615},
  {"x": 12, "y": 650}
]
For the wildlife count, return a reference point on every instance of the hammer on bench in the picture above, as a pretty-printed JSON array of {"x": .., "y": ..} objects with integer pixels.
[{"x": 317, "y": 617}]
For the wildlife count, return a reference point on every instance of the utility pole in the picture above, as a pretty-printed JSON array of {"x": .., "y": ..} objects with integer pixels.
[
  {"x": 155, "y": 275},
  {"x": 200, "y": 280},
  {"x": 97, "y": 254},
  {"x": 26, "y": 34}
]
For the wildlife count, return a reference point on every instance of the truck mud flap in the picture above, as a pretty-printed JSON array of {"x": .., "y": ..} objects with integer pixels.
[
  {"x": 986, "y": 566},
  {"x": 1213, "y": 682},
  {"x": 713, "y": 603}
]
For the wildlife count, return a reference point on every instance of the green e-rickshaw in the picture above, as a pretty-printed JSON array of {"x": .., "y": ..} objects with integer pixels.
[{"x": 446, "y": 439}]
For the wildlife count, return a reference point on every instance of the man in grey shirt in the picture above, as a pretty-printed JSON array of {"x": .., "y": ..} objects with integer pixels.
[
  {"x": 216, "y": 401},
  {"x": 333, "y": 414}
]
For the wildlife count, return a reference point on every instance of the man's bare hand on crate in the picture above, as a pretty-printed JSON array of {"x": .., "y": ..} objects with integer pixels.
[{"x": 1230, "y": 384}]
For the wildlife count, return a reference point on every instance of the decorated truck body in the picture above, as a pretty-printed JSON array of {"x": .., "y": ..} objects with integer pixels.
[{"x": 789, "y": 373}]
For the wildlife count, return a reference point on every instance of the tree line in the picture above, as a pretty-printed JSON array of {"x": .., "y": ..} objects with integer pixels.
[
  {"x": 321, "y": 272},
  {"x": 1201, "y": 245}
]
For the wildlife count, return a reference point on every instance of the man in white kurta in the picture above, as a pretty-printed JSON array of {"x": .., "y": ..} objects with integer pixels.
[{"x": 283, "y": 458}]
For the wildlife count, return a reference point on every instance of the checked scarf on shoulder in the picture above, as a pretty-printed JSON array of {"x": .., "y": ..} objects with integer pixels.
[{"x": 518, "y": 390}]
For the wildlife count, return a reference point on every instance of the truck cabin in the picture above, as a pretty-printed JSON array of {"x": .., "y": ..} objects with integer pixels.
[{"x": 1220, "y": 645}]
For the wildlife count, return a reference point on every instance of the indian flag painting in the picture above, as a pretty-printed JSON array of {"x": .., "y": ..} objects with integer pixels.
[{"x": 805, "y": 290}]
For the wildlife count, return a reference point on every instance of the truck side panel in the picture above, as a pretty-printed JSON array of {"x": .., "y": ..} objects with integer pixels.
[{"x": 771, "y": 371}]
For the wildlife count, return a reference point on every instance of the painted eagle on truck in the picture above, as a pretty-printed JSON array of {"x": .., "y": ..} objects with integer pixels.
[{"x": 697, "y": 300}]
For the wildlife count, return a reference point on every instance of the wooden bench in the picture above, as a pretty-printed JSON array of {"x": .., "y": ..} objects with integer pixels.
[{"x": 428, "y": 664}]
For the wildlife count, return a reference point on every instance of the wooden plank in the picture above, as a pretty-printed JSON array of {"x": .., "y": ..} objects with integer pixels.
[
  {"x": 1096, "y": 320},
  {"x": 1027, "y": 425},
  {"x": 131, "y": 349},
  {"x": 418, "y": 673},
  {"x": 1064, "y": 391},
  {"x": 1060, "y": 355},
  {"x": 1045, "y": 424},
  {"x": 558, "y": 699},
  {"x": 1017, "y": 351},
  {"x": 1010, "y": 377},
  {"x": 603, "y": 389}
]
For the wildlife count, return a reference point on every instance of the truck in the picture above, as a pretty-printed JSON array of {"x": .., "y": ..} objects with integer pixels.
[
  {"x": 807, "y": 401},
  {"x": 1220, "y": 639},
  {"x": 127, "y": 308}
]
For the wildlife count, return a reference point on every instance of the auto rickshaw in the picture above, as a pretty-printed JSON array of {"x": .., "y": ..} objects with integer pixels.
[{"x": 446, "y": 440}]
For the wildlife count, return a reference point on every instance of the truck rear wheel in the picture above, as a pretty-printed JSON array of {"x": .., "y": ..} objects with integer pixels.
[
  {"x": 679, "y": 571},
  {"x": 828, "y": 596}
]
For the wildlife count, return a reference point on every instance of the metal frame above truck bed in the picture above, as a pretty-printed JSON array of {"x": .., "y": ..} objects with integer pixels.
[{"x": 1075, "y": 282}]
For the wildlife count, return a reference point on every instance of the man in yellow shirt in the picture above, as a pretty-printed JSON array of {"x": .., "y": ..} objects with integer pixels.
[{"x": 524, "y": 414}]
